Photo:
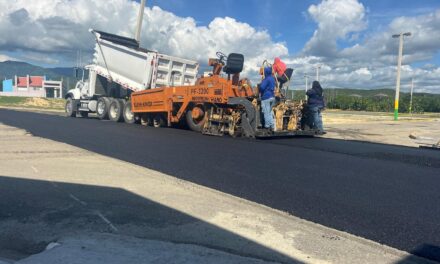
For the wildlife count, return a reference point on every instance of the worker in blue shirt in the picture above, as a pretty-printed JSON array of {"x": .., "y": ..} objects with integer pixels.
[{"x": 267, "y": 93}]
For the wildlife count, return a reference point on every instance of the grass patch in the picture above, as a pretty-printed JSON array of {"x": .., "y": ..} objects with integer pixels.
[
  {"x": 12, "y": 100},
  {"x": 32, "y": 102}
]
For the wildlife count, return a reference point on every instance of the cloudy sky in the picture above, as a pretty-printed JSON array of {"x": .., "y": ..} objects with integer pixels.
[{"x": 350, "y": 39}]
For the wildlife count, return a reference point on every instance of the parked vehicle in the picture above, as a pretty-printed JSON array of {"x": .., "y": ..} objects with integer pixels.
[{"x": 121, "y": 67}]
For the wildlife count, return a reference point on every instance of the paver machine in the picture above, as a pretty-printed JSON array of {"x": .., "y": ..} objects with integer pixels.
[{"x": 218, "y": 104}]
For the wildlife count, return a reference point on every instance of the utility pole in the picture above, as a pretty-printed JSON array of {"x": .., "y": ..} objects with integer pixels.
[
  {"x": 411, "y": 100},
  {"x": 317, "y": 72},
  {"x": 399, "y": 65},
  {"x": 307, "y": 84},
  {"x": 140, "y": 17}
]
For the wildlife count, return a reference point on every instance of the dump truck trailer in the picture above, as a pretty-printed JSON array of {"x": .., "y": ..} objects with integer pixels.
[{"x": 120, "y": 66}]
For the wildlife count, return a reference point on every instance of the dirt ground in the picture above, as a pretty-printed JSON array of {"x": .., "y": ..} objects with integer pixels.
[
  {"x": 49, "y": 104},
  {"x": 409, "y": 130}
]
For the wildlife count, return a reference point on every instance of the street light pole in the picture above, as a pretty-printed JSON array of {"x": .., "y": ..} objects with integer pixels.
[
  {"x": 411, "y": 100},
  {"x": 317, "y": 72},
  {"x": 399, "y": 65}
]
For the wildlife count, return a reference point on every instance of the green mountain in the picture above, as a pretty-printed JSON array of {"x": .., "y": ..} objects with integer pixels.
[
  {"x": 64, "y": 71},
  {"x": 9, "y": 69}
]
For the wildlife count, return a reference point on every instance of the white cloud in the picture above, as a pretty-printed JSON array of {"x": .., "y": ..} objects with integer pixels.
[
  {"x": 182, "y": 37},
  {"x": 335, "y": 19},
  {"x": 371, "y": 62},
  {"x": 49, "y": 31},
  {"x": 6, "y": 58},
  {"x": 60, "y": 27}
]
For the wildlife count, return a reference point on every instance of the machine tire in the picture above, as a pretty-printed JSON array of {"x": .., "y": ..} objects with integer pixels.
[
  {"x": 102, "y": 107},
  {"x": 84, "y": 114},
  {"x": 68, "y": 107},
  {"x": 115, "y": 112},
  {"x": 159, "y": 121},
  {"x": 195, "y": 125},
  {"x": 146, "y": 120}
]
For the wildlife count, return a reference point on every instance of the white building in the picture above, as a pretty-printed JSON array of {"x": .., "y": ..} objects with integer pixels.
[{"x": 35, "y": 86}]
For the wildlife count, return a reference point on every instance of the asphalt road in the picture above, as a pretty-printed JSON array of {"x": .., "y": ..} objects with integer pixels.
[{"x": 385, "y": 193}]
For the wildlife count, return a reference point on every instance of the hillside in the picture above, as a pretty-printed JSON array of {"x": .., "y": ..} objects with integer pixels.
[
  {"x": 10, "y": 68},
  {"x": 64, "y": 71}
]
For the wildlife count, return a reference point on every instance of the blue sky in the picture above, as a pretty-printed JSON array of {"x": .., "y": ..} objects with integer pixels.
[{"x": 287, "y": 20}]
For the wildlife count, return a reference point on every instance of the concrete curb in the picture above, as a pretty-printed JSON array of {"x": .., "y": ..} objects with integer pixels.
[{"x": 109, "y": 248}]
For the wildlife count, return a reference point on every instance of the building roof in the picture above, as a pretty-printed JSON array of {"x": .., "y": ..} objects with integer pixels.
[
  {"x": 21, "y": 82},
  {"x": 35, "y": 81}
]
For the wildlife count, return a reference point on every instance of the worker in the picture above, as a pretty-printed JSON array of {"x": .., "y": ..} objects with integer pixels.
[
  {"x": 315, "y": 104},
  {"x": 279, "y": 67},
  {"x": 280, "y": 70},
  {"x": 267, "y": 94}
]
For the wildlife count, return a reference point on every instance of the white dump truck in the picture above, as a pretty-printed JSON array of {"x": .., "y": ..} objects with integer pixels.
[{"x": 120, "y": 67}]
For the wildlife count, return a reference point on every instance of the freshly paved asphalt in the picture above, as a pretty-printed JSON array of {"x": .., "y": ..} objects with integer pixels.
[{"x": 385, "y": 193}]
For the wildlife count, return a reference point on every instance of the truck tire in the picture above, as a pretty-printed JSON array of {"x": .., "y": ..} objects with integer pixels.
[
  {"x": 69, "y": 106},
  {"x": 128, "y": 115},
  {"x": 116, "y": 109},
  {"x": 102, "y": 107},
  {"x": 196, "y": 121}
]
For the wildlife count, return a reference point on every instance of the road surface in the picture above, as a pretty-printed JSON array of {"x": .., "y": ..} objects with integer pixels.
[{"x": 385, "y": 193}]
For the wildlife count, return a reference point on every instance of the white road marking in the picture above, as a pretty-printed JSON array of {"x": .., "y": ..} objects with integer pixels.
[
  {"x": 76, "y": 199},
  {"x": 107, "y": 221},
  {"x": 85, "y": 204},
  {"x": 35, "y": 169}
]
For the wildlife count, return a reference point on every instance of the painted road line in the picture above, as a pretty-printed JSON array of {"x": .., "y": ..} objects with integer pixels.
[{"x": 107, "y": 221}]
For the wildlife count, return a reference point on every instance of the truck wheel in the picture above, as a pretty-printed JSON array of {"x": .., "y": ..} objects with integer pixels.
[
  {"x": 129, "y": 116},
  {"x": 69, "y": 106},
  {"x": 102, "y": 107},
  {"x": 84, "y": 114},
  {"x": 115, "y": 110},
  {"x": 159, "y": 121},
  {"x": 196, "y": 118}
]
